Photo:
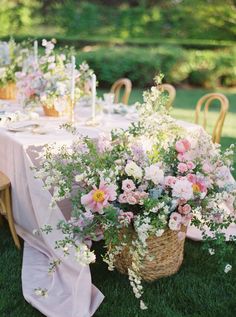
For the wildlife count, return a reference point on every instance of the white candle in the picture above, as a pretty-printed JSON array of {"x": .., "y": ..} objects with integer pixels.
[
  {"x": 94, "y": 80},
  {"x": 36, "y": 52},
  {"x": 73, "y": 66}
]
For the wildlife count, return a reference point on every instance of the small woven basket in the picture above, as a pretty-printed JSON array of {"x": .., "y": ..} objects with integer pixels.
[
  {"x": 164, "y": 257},
  {"x": 50, "y": 112},
  {"x": 8, "y": 91}
]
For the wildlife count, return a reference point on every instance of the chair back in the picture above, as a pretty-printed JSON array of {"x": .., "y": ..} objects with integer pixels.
[
  {"x": 171, "y": 93},
  {"x": 205, "y": 102},
  {"x": 116, "y": 87}
]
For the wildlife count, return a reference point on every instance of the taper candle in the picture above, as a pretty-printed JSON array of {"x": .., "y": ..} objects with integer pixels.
[
  {"x": 72, "y": 92},
  {"x": 94, "y": 80},
  {"x": 36, "y": 52}
]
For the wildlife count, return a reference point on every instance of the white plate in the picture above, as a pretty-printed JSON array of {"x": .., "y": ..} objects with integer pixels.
[{"x": 22, "y": 126}]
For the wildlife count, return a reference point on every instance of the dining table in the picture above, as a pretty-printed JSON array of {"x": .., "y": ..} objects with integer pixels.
[{"x": 67, "y": 290}]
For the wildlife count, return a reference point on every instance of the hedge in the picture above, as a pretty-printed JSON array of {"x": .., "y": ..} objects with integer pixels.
[
  {"x": 205, "y": 68},
  {"x": 79, "y": 41}
]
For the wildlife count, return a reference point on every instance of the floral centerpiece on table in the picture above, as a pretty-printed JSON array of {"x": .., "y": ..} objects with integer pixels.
[
  {"x": 130, "y": 186},
  {"x": 49, "y": 82},
  {"x": 12, "y": 56}
]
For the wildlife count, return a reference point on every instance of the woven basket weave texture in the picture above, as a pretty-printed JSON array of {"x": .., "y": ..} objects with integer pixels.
[
  {"x": 8, "y": 92},
  {"x": 164, "y": 257}
]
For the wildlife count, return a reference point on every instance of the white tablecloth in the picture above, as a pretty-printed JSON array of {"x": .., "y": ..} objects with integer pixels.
[{"x": 70, "y": 291}]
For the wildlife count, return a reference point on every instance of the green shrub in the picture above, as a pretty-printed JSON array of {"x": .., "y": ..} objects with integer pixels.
[{"x": 202, "y": 68}]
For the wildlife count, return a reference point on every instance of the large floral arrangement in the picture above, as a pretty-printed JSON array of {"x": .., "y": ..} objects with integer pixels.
[
  {"x": 48, "y": 83},
  {"x": 12, "y": 56},
  {"x": 154, "y": 176}
]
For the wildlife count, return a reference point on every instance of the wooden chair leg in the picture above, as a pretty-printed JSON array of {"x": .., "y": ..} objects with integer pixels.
[
  {"x": 1, "y": 220},
  {"x": 10, "y": 218}
]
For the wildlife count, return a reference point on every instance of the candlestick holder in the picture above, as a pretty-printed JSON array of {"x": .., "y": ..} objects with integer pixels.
[
  {"x": 92, "y": 122},
  {"x": 72, "y": 110}
]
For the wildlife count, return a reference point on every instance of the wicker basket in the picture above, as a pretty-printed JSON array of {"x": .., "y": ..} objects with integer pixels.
[
  {"x": 8, "y": 91},
  {"x": 164, "y": 258},
  {"x": 50, "y": 112}
]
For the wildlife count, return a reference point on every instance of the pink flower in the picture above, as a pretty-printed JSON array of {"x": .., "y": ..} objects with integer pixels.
[
  {"x": 182, "y": 167},
  {"x": 131, "y": 199},
  {"x": 182, "y": 189},
  {"x": 125, "y": 217},
  {"x": 103, "y": 143},
  {"x": 182, "y": 146},
  {"x": 184, "y": 209},
  {"x": 128, "y": 185},
  {"x": 175, "y": 221},
  {"x": 182, "y": 201},
  {"x": 198, "y": 184},
  {"x": 122, "y": 198},
  {"x": 181, "y": 235},
  {"x": 139, "y": 196},
  {"x": 191, "y": 165},
  {"x": 180, "y": 157},
  {"x": 207, "y": 168},
  {"x": 186, "y": 219},
  {"x": 192, "y": 178},
  {"x": 169, "y": 181},
  {"x": 98, "y": 198}
]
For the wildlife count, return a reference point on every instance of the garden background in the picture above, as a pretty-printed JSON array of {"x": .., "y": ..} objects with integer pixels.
[{"x": 193, "y": 43}]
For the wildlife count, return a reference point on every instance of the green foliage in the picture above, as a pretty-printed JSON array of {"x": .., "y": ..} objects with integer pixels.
[
  {"x": 200, "y": 283},
  {"x": 159, "y": 19},
  {"x": 201, "y": 68},
  {"x": 18, "y": 15}
]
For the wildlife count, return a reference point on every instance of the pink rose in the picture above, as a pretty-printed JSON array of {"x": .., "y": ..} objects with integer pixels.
[
  {"x": 185, "y": 209},
  {"x": 128, "y": 185},
  {"x": 169, "y": 181},
  {"x": 182, "y": 168},
  {"x": 186, "y": 219},
  {"x": 192, "y": 178},
  {"x": 182, "y": 201},
  {"x": 126, "y": 217},
  {"x": 122, "y": 198},
  {"x": 131, "y": 200},
  {"x": 180, "y": 157},
  {"x": 191, "y": 165},
  {"x": 182, "y": 146}
]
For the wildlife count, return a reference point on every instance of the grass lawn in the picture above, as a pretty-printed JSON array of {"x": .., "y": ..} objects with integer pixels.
[{"x": 200, "y": 289}]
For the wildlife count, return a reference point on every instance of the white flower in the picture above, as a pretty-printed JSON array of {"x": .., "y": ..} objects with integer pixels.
[
  {"x": 43, "y": 292},
  {"x": 44, "y": 42},
  {"x": 211, "y": 251},
  {"x": 227, "y": 268},
  {"x": 183, "y": 189},
  {"x": 132, "y": 169},
  {"x": 159, "y": 232},
  {"x": 79, "y": 177},
  {"x": 143, "y": 306},
  {"x": 52, "y": 66},
  {"x": 155, "y": 174},
  {"x": 84, "y": 256},
  {"x": 35, "y": 232}
]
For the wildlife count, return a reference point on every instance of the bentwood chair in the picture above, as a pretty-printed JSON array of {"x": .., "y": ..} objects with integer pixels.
[
  {"x": 116, "y": 88},
  {"x": 205, "y": 102},
  {"x": 5, "y": 206},
  {"x": 170, "y": 90}
]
